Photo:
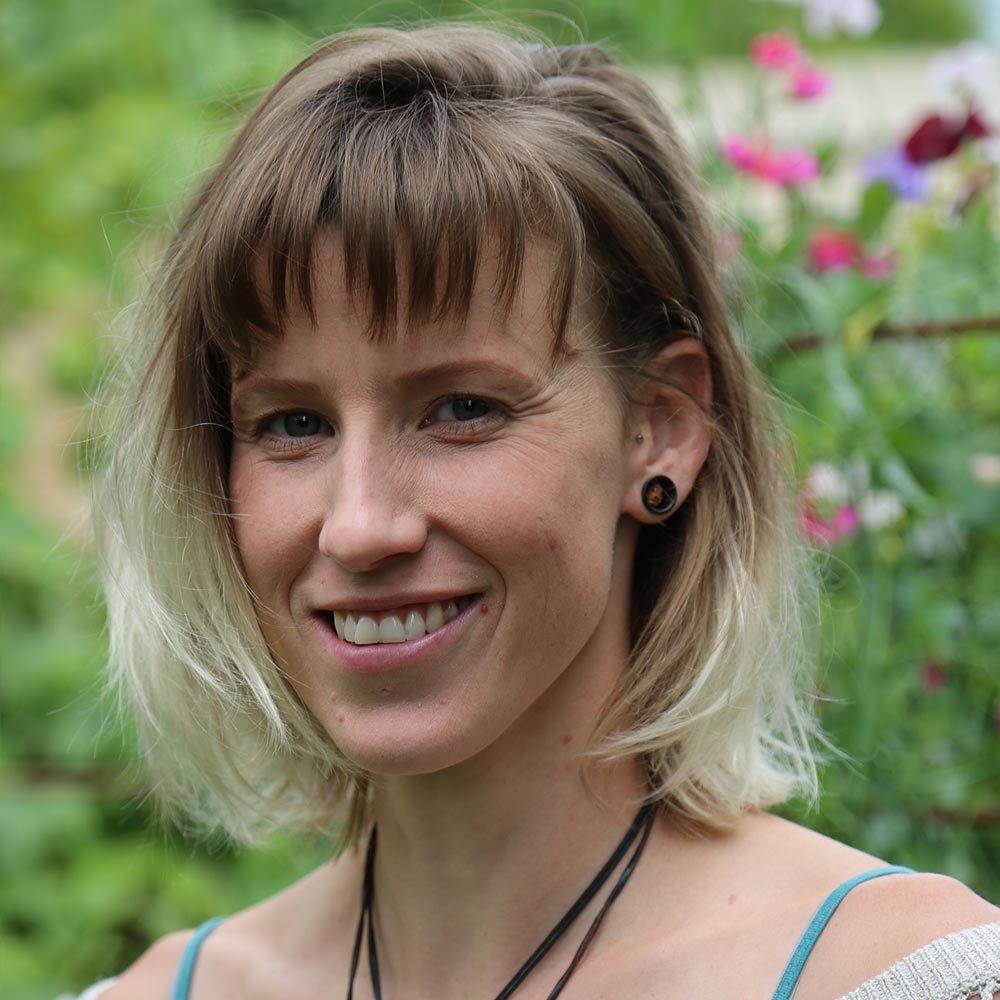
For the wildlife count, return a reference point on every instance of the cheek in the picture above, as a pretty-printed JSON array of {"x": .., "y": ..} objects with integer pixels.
[{"x": 269, "y": 525}]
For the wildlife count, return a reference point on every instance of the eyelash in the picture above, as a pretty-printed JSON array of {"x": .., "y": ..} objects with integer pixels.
[
  {"x": 288, "y": 442},
  {"x": 475, "y": 425}
]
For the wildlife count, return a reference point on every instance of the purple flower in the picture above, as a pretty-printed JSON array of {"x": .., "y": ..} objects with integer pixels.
[{"x": 907, "y": 179}]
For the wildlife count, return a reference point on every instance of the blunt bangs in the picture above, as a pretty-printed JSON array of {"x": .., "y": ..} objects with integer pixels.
[{"x": 415, "y": 172}]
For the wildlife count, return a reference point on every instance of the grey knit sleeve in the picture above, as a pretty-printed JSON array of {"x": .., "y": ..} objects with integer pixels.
[
  {"x": 91, "y": 992},
  {"x": 961, "y": 966}
]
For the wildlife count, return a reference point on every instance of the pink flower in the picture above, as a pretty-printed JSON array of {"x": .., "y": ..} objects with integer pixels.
[
  {"x": 933, "y": 676},
  {"x": 828, "y": 530},
  {"x": 728, "y": 244},
  {"x": 790, "y": 167},
  {"x": 776, "y": 51},
  {"x": 784, "y": 167},
  {"x": 833, "y": 250},
  {"x": 807, "y": 82},
  {"x": 741, "y": 153},
  {"x": 878, "y": 267}
]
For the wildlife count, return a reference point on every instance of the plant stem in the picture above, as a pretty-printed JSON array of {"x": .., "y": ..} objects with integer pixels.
[{"x": 894, "y": 331}]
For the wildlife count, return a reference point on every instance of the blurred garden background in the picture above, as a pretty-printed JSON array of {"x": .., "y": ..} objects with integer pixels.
[{"x": 852, "y": 149}]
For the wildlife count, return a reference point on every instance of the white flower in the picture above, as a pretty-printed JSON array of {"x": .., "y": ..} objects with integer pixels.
[
  {"x": 967, "y": 71},
  {"x": 985, "y": 469},
  {"x": 879, "y": 509},
  {"x": 828, "y": 17},
  {"x": 940, "y": 536},
  {"x": 826, "y": 482},
  {"x": 853, "y": 17}
]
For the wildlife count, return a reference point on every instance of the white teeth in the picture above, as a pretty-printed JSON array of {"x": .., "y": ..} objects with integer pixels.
[
  {"x": 390, "y": 629},
  {"x": 435, "y": 617},
  {"x": 415, "y": 627},
  {"x": 366, "y": 633},
  {"x": 366, "y": 630}
]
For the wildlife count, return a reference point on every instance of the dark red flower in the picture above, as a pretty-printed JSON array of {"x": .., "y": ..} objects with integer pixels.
[
  {"x": 935, "y": 138},
  {"x": 933, "y": 675},
  {"x": 975, "y": 127}
]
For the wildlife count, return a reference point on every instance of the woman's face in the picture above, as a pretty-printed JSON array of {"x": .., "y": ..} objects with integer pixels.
[{"x": 432, "y": 526}]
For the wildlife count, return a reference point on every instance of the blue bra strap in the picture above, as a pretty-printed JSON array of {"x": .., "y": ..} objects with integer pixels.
[
  {"x": 793, "y": 970},
  {"x": 182, "y": 984}
]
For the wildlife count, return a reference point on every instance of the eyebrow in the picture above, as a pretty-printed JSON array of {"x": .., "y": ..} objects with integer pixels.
[
  {"x": 245, "y": 389},
  {"x": 269, "y": 385},
  {"x": 460, "y": 369}
]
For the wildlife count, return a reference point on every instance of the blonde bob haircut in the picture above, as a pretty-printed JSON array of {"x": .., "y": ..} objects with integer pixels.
[{"x": 440, "y": 140}]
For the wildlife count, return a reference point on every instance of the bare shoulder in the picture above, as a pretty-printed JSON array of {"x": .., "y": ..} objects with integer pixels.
[
  {"x": 898, "y": 915},
  {"x": 279, "y": 947},
  {"x": 882, "y": 921},
  {"x": 152, "y": 975}
]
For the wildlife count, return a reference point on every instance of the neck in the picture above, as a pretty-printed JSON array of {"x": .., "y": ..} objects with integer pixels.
[{"x": 479, "y": 866}]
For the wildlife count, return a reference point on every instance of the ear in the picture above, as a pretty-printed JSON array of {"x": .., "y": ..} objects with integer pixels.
[{"x": 671, "y": 423}]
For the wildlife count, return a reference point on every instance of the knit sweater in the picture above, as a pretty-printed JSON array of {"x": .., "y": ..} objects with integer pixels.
[{"x": 961, "y": 966}]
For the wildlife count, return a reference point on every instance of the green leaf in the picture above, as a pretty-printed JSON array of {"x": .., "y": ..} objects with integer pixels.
[
  {"x": 859, "y": 327},
  {"x": 876, "y": 203}
]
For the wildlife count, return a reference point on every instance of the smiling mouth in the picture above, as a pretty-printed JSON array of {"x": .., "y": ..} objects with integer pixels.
[{"x": 369, "y": 628}]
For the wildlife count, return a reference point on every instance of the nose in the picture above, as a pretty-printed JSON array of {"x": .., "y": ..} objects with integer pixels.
[{"x": 371, "y": 514}]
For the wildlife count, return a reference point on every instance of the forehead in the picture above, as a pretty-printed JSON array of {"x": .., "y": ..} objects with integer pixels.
[{"x": 497, "y": 310}]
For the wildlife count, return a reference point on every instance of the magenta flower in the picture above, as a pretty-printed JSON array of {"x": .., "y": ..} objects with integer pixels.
[
  {"x": 776, "y": 51},
  {"x": 827, "y": 530},
  {"x": 807, "y": 82},
  {"x": 833, "y": 250}
]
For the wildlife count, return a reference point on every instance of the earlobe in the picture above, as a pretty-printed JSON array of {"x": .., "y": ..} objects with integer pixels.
[
  {"x": 672, "y": 430},
  {"x": 659, "y": 495}
]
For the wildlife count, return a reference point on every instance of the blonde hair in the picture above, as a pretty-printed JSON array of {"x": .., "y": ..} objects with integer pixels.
[{"x": 451, "y": 135}]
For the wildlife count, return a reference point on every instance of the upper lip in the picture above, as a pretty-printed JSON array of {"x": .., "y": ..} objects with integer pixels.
[{"x": 387, "y": 602}]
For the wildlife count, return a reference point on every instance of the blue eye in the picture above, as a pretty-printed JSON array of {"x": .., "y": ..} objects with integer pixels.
[
  {"x": 296, "y": 425},
  {"x": 463, "y": 409}
]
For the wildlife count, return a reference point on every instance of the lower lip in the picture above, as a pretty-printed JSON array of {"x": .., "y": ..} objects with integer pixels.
[{"x": 383, "y": 656}]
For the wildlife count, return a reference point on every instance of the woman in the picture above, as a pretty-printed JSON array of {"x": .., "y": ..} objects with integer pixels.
[{"x": 444, "y": 512}]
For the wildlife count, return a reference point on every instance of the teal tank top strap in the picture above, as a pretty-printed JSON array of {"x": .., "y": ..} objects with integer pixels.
[
  {"x": 790, "y": 977},
  {"x": 182, "y": 984}
]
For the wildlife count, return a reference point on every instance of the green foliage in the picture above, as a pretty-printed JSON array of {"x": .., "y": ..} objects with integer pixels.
[{"x": 109, "y": 112}]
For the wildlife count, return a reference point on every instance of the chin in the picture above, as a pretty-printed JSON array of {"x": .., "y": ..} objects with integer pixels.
[{"x": 394, "y": 747}]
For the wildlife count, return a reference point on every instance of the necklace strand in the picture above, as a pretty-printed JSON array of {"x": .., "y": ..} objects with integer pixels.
[{"x": 642, "y": 824}]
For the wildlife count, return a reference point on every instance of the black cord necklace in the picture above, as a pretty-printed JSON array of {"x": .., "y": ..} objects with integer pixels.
[{"x": 642, "y": 824}]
